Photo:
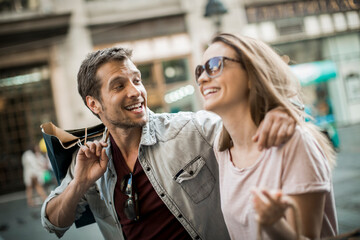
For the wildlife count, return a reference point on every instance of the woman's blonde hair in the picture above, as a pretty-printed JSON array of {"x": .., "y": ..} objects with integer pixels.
[{"x": 272, "y": 84}]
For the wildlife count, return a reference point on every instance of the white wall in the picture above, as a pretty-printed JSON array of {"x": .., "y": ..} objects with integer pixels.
[{"x": 67, "y": 57}]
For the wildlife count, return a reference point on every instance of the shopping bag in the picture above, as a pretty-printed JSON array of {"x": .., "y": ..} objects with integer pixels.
[{"x": 60, "y": 145}]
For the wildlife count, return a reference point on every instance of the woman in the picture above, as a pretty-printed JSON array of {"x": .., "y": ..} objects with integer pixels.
[{"x": 241, "y": 80}]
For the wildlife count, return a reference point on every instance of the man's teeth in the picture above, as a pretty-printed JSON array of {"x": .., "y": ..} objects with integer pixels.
[
  {"x": 134, "y": 106},
  {"x": 212, "y": 90}
]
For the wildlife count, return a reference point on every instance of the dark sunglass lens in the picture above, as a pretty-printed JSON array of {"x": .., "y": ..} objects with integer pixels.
[
  {"x": 129, "y": 209},
  {"x": 213, "y": 66},
  {"x": 124, "y": 183},
  {"x": 198, "y": 71}
]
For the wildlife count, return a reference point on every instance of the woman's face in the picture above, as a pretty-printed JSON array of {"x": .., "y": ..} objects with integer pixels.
[{"x": 230, "y": 88}]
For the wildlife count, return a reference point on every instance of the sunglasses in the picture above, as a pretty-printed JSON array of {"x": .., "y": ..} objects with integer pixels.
[
  {"x": 131, "y": 206},
  {"x": 213, "y": 67}
]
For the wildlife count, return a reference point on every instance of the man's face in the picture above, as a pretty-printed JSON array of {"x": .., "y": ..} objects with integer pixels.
[{"x": 123, "y": 96}]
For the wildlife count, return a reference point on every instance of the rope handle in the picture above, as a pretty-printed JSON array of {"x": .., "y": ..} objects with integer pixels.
[
  {"x": 85, "y": 140},
  {"x": 107, "y": 135},
  {"x": 296, "y": 215},
  {"x": 79, "y": 141}
]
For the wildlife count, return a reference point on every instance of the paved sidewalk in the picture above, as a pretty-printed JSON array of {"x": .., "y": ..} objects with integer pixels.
[
  {"x": 346, "y": 179},
  {"x": 17, "y": 221}
]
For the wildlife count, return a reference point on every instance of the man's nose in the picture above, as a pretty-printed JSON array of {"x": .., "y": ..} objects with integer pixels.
[{"x": 133, "y": 91}]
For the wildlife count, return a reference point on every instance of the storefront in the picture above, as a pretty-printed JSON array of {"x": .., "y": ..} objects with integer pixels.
[
  {"x": 311, "y": 31},
  {"x": 26, "y": 84},
  {"x": 314, "y": 78}
]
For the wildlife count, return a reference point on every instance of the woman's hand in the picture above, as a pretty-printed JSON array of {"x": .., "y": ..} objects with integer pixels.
[
  {"x": 270, "y": 207},
  {"x": 304, "y": 222}
]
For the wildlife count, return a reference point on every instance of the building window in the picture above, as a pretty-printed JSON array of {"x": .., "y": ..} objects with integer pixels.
[
  {"x": 295, "y": 50},
  {"x": 290, "y": 26},
  {"x": 18, "y": 5},
  {"x": 175, "y": 70},
  {"x": 166, "y": 83},
  {"x": 147, "y": 75}
]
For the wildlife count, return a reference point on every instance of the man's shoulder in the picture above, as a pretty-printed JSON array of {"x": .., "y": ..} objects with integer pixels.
[
  {"x": 168, "y": 125},
  {"x": 200, "y": 116}
]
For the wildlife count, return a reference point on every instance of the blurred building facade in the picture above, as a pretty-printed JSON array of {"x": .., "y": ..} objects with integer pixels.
[{"x": 42, "y": 44}]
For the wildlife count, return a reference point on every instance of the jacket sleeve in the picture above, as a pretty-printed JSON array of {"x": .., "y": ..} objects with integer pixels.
[
  {"x": 57, "y": 191},
  {"x": 208, "y": 124}
]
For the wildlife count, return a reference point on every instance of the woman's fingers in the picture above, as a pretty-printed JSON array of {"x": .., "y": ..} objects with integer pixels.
[
  {"x": 269, "y": 206},
  {"x": 259, "y": 200}
]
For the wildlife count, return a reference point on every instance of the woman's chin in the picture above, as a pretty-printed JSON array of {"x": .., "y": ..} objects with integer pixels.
[{"x": 209, "y": 107}]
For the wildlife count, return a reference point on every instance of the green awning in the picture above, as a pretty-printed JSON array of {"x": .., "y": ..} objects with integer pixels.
[{"x": 314, "y": 72}]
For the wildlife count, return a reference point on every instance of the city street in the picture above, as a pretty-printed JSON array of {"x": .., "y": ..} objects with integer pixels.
[{"x": 17, "y": 221}]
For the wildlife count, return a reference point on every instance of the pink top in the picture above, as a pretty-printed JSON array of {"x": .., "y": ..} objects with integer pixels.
[{"x": 296, "y": 167}]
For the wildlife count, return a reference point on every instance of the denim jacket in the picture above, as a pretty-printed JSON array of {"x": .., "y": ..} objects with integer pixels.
[{"x": 176, "y": 153}]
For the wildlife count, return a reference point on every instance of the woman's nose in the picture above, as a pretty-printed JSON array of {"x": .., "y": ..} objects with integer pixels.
[{"x": 203, "y": 78}]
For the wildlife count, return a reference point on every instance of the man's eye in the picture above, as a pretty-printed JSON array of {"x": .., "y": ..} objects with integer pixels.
[
  {"x": 119, "y": 87},
  {"x": 137, "y": 80}
]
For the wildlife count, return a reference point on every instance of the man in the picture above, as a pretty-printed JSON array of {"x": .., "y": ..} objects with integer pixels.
[{"x": 156, "y": 177}]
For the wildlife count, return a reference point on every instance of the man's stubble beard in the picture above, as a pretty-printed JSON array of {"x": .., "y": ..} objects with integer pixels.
[{"x": 126, "y": 123}]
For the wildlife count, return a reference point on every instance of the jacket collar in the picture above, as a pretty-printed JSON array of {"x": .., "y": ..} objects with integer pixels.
[{"x": 148, "y": 137}]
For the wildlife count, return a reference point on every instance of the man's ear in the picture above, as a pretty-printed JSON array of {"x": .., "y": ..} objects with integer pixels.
[{"x": 93, "y": 104}]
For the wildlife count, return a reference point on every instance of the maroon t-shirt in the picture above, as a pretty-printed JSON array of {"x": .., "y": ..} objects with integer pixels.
[{"x": 156, "y": 221}]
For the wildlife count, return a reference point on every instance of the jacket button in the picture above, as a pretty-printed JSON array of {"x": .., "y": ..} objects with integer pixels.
[
  {"x": 197, "y": 237},
  {"x": 162, "y": 195},
  {"x": 180, "y": 216},
  {"x": 148, "y": 169},
  {"x": 191, "y": 172}
]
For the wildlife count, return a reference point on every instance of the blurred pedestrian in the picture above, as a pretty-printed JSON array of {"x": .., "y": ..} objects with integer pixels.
[
  {"x": 33, "y": 162},
  {"x": 49, "y": 175}
]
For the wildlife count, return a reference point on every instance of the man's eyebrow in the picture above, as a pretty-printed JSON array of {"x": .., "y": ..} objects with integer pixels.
[
  {"x": 136, "y": 72},
  {"x": 118, "y": 79},
  {"x": 115, "y": 80}
]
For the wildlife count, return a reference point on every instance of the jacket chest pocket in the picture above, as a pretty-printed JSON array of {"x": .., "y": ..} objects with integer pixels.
[{"x": 196, "y": 179}]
